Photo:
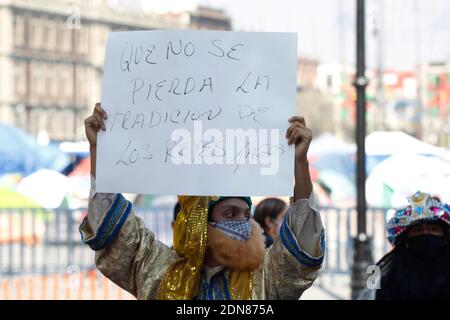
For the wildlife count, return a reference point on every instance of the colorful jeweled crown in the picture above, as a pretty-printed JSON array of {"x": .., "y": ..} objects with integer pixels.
[{"x": 422, "y": 207}]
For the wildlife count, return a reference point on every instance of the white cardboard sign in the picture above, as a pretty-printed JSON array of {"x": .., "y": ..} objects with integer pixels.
[{"x": 198, "y": 113}]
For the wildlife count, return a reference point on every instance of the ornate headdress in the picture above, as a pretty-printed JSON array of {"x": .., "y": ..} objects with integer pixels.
[
  {"x": 182, "y": 280},
  {"x": 422, "y": 207}
]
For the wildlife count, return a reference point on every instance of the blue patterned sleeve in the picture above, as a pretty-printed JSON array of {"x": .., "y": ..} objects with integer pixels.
[
  {"x": 302, "y": 233},
  {"x": 291, "y": 244},
  {"x": 109, "y": 225},
  {"x": 126, "y": 251},
  {"x": 292, "y": 262}
]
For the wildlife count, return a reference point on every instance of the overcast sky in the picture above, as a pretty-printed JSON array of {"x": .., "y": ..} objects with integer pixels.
[{"x": 326, "y": 28}]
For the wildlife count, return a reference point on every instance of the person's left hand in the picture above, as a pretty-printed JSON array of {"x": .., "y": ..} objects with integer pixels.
[{"x": 299, "y": 135}]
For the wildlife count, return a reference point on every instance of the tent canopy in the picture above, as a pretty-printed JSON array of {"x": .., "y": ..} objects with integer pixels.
[
  {"x": 386, "y": 143},
  {"x": 329, "y": 143},
  {"x": 20, "y": 153},
  {"x": 46, "y": 187},
  {"x": 399, "y": 176}
]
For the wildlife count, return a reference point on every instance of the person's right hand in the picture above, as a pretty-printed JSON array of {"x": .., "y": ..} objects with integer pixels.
[{"x": 94, "y": 123}]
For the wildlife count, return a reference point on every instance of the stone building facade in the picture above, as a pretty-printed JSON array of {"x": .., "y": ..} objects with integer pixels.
[{"x": 51, "y": 60}]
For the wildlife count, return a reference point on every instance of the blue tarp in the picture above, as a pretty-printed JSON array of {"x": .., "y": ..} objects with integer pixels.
[{"x": 20, "y": 152}]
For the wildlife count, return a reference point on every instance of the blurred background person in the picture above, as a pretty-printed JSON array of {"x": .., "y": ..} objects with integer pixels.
[{"x": 269, "y": 213}]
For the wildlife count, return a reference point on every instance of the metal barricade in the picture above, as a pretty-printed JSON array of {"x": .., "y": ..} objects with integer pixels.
[{"x": 42, "y": 256}]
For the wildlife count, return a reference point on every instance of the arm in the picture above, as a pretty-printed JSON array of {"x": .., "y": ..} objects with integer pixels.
[
  {"x": 291, "y": 264},
  {"x": 125, "y": 251},
  {"x": 93, "y": 154},
  {"x": 92, "y": 125},
  {"x": 303, "y": 185},
  {"x": 301, "y": 136}
]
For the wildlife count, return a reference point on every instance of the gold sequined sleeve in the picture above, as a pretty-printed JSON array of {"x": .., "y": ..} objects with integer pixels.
[
  {"x": 125, "y": 251},
  {"x": 292, "y": 263}
]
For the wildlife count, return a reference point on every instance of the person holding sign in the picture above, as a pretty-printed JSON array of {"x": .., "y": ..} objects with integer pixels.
[{"x": 218, "y": 248}]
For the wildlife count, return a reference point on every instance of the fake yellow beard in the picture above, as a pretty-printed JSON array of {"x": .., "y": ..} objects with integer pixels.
[{"x": 236, "y": 254}]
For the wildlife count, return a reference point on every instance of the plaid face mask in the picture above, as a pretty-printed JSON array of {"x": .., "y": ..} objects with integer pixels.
[{"x": 236, "y": 229}]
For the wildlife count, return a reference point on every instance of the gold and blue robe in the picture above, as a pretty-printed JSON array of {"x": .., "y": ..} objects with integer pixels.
[{"x": 128, "y": 254}]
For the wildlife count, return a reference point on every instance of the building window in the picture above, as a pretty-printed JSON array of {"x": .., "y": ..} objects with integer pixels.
[
  {"x": 65, "y": 37},
  {"x": 52, "y": 35},
  {"x": 37, "y": 34},
  {"x": 81, "y": 86},
  {"x": 51, "y": 82},
  {"x": 37, "y": 88},
  {"x": 65, "y": 83},
  {"x": 40, "y": 84},
  {"x": 44, "y": 28},
  {"x": 33, "y": 125},
  {"x": 19, "y": 31},
  {"x": 20, "y": 81},
  {"x": 81, "y": 41}
]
